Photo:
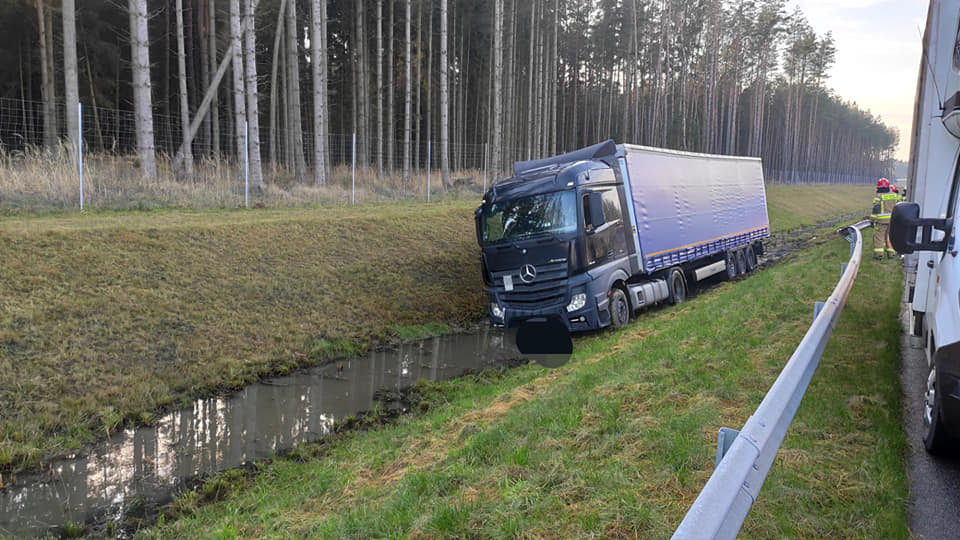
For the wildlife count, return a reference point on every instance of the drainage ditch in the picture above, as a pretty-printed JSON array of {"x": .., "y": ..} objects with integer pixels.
[{"x": 122, "y": 482}]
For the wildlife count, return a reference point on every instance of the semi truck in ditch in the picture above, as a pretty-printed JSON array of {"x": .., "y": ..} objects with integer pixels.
[
  {"x": 924, "y": 228},
  {"x": 589, "y": 237}
]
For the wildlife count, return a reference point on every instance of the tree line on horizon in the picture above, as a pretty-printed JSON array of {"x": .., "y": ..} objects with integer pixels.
[{"x": 521, "y": 79}]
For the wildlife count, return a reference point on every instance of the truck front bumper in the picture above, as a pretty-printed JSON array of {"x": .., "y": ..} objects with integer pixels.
[
  {"x": 583, "y": 319},
  {"x": 592, "y": 316}
]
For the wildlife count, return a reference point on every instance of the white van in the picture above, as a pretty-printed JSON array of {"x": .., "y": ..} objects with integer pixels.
[{"x": 926, "y": 228}]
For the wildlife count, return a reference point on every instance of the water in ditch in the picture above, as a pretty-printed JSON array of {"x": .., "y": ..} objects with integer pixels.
[{"x": 133, "y": 473}]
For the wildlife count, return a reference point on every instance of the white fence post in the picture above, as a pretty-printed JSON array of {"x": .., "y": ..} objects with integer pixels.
[
  {"x": 484, "y": 167},
  {"x": 246, "y": 164},
  {"x": 80, "y": 148},
  {"x": 353, "y": 170}
]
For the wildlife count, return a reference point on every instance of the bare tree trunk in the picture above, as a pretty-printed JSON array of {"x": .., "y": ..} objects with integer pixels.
[
  {"x": 274, "y": 66},
  {"x": 444, "y": 101},
  {"x": 379, "y": 133},
  {"x": 553, "y": 78},
  {"x": 509, "y": 105},
  {"x": 253, "y": 116},
  {"x": 495, "y": 164},
  {"x": 419, "y": 79},
  {"x": 430, "y": 77},
  {"x": 205, "y": 67},
  {"x": 239, "y": 89},
  {"x": 214, "y": 109},
  {"x": 363, "y": 154},
  {"x": 318, "y": 57},
  {"x": 407, "y": 103},
  {"x": 391, "y": 92},
  {"x": 294, "y": 117},
  {"x": 530, "y": 109},
  {"x": 142, "y": 100},
  {"x": 52, "y": 67},
  {"x": 71, "y": 84},
  {"x": 184, "y": 102},
  {"x": 46, "y": 84}
]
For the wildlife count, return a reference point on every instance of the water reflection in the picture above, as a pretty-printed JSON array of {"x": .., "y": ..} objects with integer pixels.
[{"x": 140, "y": 469}]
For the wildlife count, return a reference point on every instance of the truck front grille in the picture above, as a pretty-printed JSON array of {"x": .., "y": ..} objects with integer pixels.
[{"x": 548, "y": 288}]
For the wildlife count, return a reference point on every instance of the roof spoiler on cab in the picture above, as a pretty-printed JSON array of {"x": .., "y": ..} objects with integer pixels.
[{"x": 604, "y": 149}]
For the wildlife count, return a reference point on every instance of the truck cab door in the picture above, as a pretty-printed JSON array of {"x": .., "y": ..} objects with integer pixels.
[{"x": 607, "y": 241}]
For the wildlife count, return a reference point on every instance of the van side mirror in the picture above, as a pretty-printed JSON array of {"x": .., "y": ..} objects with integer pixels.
[
  {"x": 595, "y": 218},
  {"x": 905, "y": 221}
]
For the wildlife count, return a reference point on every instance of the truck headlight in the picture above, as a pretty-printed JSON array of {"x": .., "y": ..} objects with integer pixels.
[
  {"x": 496, "y": 310},
  {"x": 577, "y": 301}
]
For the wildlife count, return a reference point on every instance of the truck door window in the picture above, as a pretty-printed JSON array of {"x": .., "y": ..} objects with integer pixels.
[{"x": 609, "y": 240}]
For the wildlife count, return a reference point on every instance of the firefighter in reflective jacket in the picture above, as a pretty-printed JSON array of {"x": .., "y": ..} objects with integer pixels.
[{"x": 883, "y": 204}]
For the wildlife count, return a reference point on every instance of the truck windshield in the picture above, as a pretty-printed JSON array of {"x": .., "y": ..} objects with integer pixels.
[{"x": 508, "y": 221}]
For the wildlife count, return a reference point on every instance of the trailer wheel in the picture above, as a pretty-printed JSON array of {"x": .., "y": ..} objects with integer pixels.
[
  {"x": 619, "y": 309},
  {"x": 751, "y": 258},
  {"x": 731, "y": 262},
  {"x": 741, "y": 261},
  {"x": 678, "y": 286}
]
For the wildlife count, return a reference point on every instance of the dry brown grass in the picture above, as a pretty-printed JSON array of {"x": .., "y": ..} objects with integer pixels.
[{"x": 37, "y": 180}]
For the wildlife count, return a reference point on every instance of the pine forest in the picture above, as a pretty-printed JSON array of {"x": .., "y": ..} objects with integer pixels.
[{"x": 293, "y": 91}]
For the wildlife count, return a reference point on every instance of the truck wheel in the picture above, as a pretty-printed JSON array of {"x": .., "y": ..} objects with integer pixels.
[
  {"x": 741, "y": 262},
  {"x": 678, "y": 286},
  {"x": 751, "y": 258},
  {"x": 935, "y": 438},
  {"x": 731, "y": 262},
  {"x": 619, "y": 309}
]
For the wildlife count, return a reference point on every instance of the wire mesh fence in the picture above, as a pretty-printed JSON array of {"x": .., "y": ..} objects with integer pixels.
[{"x": 38, "y": 173}]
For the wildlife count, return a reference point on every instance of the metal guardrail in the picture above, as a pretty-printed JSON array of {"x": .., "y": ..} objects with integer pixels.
[{"x": 744, "y": 458}]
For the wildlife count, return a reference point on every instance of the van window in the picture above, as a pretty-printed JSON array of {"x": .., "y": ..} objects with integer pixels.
[{"x": 952, "y": 201}]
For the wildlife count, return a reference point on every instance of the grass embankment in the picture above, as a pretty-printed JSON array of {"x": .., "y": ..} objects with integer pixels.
[
  {"x": 108, "y": 318},
  {"x": 618, "y": 442},
  {"x": 793, "y": 206},
  {"x": 104, "y": 319}
]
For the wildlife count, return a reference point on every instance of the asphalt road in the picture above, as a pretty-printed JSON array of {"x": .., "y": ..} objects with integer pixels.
[{"x": 934, "y": 511}]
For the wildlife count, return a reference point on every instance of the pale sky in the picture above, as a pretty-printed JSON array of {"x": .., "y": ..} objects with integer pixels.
[{"x": 878, "y": 55}]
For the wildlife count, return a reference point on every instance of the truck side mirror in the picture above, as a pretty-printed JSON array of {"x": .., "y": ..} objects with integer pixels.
[
  {"x": 477, "y": 216},
  {"x": 594, "y": 217},
  {"x": 905, "y": 221}
]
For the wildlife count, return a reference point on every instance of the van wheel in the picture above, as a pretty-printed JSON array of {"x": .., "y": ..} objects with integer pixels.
[
  {"x": 741, "y": 262},
  {"x": 619, "y": 309},
  {"x": 731, "y": 262},
  {"x": 751, "y": 258},
  {"x": 678, "y": 286},
  {"x": 935, "y": 438}
]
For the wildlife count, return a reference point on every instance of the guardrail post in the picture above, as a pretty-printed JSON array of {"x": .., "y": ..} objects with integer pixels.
[
  {"x": 725, "y": 439},
  {"x": 817, "y": 308}
]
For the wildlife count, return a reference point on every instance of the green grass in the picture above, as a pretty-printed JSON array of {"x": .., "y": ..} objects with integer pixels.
[
  {"x": 793, "y": 206},
  {"x": 110, "y": 317},
  {"x": 618, "y": 442},
  {"x": 104, "y": 319}
]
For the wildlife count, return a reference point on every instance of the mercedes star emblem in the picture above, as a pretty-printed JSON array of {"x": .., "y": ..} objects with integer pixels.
[{"x": 528, "y": 273}]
